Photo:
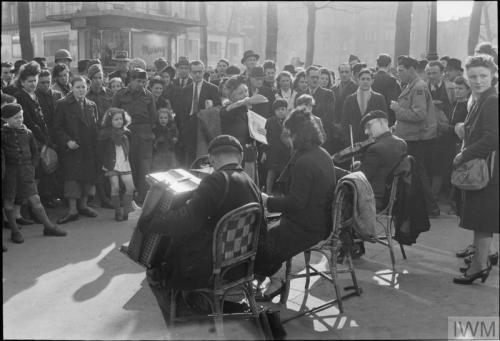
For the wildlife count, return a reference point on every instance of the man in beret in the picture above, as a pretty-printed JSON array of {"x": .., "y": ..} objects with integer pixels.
[
  {"x": 139, "y": 103},
  {"x": 191, "y": 226},
  {"x": 416, "y": 124},
  {"x": 380, "y": 158},
  {"x": 6, "y": 74}
]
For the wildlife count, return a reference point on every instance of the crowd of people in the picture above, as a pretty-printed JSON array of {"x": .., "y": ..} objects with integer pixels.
[{"x": 109, "y": 130}]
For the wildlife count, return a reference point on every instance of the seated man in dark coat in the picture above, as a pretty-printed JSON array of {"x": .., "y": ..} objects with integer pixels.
[
  {"x": 380, "y": 158},
  {"x": 191, "y": 226}
]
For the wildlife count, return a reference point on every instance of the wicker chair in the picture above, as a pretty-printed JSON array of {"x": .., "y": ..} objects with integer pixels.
[
  {"x": 234, "y": 245},
  {"x": 341, "y": 230}
]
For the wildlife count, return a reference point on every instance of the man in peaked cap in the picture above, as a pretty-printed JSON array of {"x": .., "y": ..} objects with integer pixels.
[{"x": 122, "y": 70}]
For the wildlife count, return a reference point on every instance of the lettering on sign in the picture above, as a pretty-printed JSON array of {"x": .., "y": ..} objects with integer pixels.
[{"x": 149, "y": 51}]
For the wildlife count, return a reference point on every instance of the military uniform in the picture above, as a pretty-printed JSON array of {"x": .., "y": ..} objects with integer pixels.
[
  {"x": 416, "y": 124},
  {"x": 103, "y": 98},
  {"x": 141, "y": 107}
]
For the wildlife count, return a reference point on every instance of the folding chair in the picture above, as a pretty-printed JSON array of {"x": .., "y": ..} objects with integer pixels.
[
  {"x": 385, "y": 217},
  {"x": 234, "y": 245},
  {"x": 341, "y": 227}
]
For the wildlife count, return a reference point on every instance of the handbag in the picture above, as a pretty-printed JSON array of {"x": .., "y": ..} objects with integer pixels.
[
  {"x": 49, "y": 162},
  {"x": 473, "y": 175}
]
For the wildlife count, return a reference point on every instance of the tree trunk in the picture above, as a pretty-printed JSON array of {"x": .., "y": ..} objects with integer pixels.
[
  {"x": 272, "y": 31},
  {"x": 311, "y": 27},
  {"x": 489, "y": 33},
  {"x": 24, "y": 23},
  {"x": 474, "y": 26},
  {"x": 203, "y": 33},
  {"x": 403, "y": 29},
  {"x": 228, "y": 35},
  {"x": 432, "y": 47}
]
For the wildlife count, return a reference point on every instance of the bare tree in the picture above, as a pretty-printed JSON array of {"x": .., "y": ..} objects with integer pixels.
[
  {"x": 311, "y": 28},
  {"x": 24, "y": 24},
  {"x": 474, "y": 26},
  {"x": 403, "y": 28},
  {"x": 272, "y": 31},
  {"x": 203, "y": 32}
]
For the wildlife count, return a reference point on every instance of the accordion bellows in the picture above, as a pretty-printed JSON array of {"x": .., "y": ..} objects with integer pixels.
[{"x": 168, "y": 190}]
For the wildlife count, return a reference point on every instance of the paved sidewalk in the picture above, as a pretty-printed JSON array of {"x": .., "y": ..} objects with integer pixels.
[{"x": 82, "y": 287}]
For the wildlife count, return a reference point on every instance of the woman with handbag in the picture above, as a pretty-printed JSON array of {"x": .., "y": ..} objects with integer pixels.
[{"x": 479, "y": 152}]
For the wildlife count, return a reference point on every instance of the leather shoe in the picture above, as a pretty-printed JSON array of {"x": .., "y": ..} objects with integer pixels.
[
  {"x": 24, "y": 221},
  {"x": 88, "y": 212},
  {"x": 54, "y": 231},
  {"x": 17, "y": 237},
  {"x": 67, "y": 218},
  {"x": 107, "y": 204}
]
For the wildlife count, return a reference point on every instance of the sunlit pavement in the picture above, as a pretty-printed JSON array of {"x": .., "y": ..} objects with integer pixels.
[{"x": 82, "y": 287}]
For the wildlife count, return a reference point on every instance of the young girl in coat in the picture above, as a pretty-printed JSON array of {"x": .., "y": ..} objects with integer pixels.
[
  {"x": 114, "y": 147},
  {"x": 166, "y": 137}
]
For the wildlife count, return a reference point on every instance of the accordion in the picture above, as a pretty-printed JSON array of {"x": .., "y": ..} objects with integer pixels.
[{"x": 168, "y": 190}]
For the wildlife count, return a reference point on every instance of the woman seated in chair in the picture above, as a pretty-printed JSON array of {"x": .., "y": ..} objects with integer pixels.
[{"x": 306, "y": 209}]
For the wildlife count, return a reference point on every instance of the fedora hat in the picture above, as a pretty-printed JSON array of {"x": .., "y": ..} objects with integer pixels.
[
  {"x": 121, "y": 56},
  {"x": 182, "y": 61},
  {"x": 249, "y": 54},
  {"x": 257, "y": 72}
]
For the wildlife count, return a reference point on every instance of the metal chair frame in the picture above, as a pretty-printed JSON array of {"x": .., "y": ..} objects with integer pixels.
[
  {"x": 219, "y": 287},
  {"x": 329, "y": 248}
]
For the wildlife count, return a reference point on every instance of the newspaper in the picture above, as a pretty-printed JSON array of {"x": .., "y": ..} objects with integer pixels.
[{"x": 257, "y": 127}]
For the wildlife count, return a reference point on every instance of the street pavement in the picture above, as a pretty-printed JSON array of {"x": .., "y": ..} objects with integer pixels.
[{"x": 82, "y": 287}]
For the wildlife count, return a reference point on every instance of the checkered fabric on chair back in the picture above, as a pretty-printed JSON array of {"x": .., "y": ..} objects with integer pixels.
[{"x": 236, "y": 235}]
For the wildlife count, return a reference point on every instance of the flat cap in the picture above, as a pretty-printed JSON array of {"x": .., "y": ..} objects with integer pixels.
[
  {"x": 225, "y": 143},
  {"x": 11, "y": 109},
  {"x": 138, "y": 73},
  {"x": 371, "y": 116},
  {"x": 247, "y": 54},
  {"x": 257, "y": 72}
]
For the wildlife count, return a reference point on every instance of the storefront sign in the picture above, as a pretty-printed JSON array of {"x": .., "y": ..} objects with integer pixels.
[{"x": 149, "y": 46}]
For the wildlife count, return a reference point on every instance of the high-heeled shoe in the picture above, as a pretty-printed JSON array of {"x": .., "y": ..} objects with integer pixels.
[
  {"x": 492, "y": 259},
  {"x": 269, "y": 296},
  {"x": 468, "y": 279}
]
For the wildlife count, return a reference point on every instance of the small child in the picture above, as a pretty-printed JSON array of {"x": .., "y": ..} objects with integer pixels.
[
  {"x": 114, "y": 147},
  {"x": 115, "y": 84},
  {"x": 21, "y": 156},
  {"x": 278, "y": 152},
  {"x": 166, "y": 137}
]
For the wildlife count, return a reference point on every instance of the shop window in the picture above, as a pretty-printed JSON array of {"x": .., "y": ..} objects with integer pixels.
[
  {"x": 55, "y": 41},
  {"x": 111, "y": 42}
]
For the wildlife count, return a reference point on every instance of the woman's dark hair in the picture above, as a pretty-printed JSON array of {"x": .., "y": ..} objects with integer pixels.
[
  {"x": 487, "y": 48},
  {"x": 8, "y": 99},
  {"x": 283, "y": 74},
  {"x": 325, "y": 71},
  {"x": 298, "y": 76},
  {"x": 44, "y": 73},
  {"x": 365, "y": 71},
  {"x": 79, "y": 78},
  {"x": 483, "y": 60},
  {"x": 27, "y": 70},
  {"x": 234, "y": 82},
  {"x": 108, "y": 116},
  {"x": 58, "y": 69},
  {"x": 156, "y": 80},
  {"x": 305, "y": 99},
  {"x": 306, "y": 130}
]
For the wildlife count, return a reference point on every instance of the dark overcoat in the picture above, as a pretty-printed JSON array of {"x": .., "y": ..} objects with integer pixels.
[{"x": 80, "y": 126}]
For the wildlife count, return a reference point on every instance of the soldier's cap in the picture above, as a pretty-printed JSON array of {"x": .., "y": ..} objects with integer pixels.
[
  {"x": 182, "y": 61},
  {"x": 7, "y": 64},
  {"x": 11, "y": 109},
  {"x": 454, "y": 64},
  {"x": 18, "y": 64},
  {"x": 138, "y": 73},
  {"x": 407, "y": 61},
  {"x": 248, "y": 54},
  {"x": 371, "y": 116},
  {"x": 93, "y": 69},
  {"x": 257, "y": 72},
  {"x": 353, "y": 57},
  {"x": 223, "y": 143}
]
